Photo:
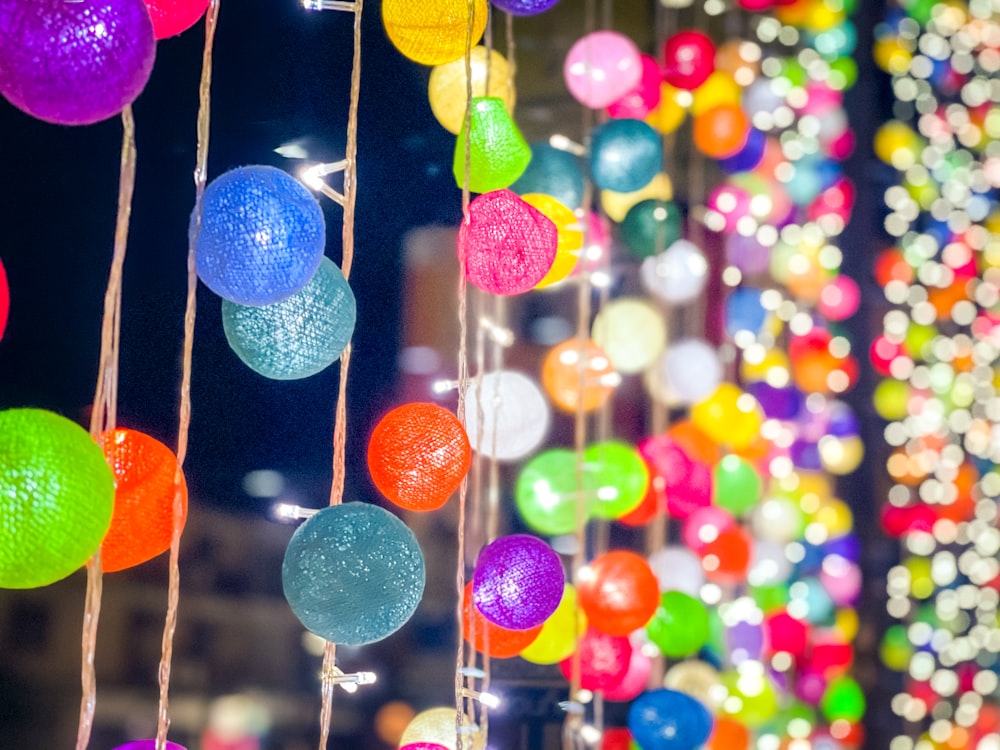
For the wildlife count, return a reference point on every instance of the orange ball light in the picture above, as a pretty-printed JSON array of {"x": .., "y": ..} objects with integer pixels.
[
  {"x": 728, "y": 734},
  {"x": 418, "y": 455},
  {"x": 142, "y": 522},
  {"x": 569, "y": 383},
  {"x": 619, "y": 592},
  {"x": 488, "y": 638},
  {"x": 721, "y": 131}
]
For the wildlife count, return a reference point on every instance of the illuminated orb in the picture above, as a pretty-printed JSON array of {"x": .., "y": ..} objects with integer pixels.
[
  {"x": 171, "y": 17},
  {"x": 567, "y": 386},
  {"x": 142, "y": 524},
  {"x": 669, "y": 720},
  {"x": 433, "y": 33},
  {"x": 56, "y": 497},
  {"x": 447, "y": 87},
  {"x": 619, "y": 592},
  {"x": 436, "y": 726},
  {"x": 262, "y": 236},
  {"x": 689, "y": 59},
  {"x": 4, "y": 300},
  {"x": 491, "y": 153},
  {"x": 604, "y": 660},
  {"x": 558, "y": 637},
  {"x": 642, "y": 98},
  {"x": 148, "y": 745},
  {"x": 677, "y": 569},
  {"x": 632, "y": 333},
  {"x": 418, "y": 456},
  {"x": 677, "y": 275},
  {"x": 615, "y": 477},
  {"x": 505, "y": 245},
  {"x": 553, "y": 172},
  {"x": 97, "y": 57},
  {"x": 685, "y": 373},
  {"x": 601, "y": 67},
  {"x": 299, "y": 336},
  {"x": 353, "y": 573},
  {"x": 546, "y": 493},
  {"x": 523, "y": 7},
  {"x": 515, "y": 415},
  {"x": 518, "y": 581},
  {"x": 679, "y": 625},
  {"x": 487, "y": 638},
  {"x": 625, "y": 155},
  {"x": 651, "y": 225}
]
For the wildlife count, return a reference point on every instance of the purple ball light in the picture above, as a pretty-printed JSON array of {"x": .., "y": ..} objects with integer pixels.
[
  {"x": 74, "y": 63},
  {"x": 524, "y": 7},
  {"x": 518, "y": 582},
  {"x": 148, "y": 745}
]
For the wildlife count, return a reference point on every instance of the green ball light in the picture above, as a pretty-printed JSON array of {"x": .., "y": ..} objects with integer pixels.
[
  {"x": 680, "y": 626},
  {"x": 546, "y": 493},
  {"x": 56, "y": 497},
  {"x": 651, "y": 226},
  {"x": 843, "y": 699},
  {"x": 497, "y": 152},
  {"x": 736, "y": 485},
  {"x": 618, "y": 476}
]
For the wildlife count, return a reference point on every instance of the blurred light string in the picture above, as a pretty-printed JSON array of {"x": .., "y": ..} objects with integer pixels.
[
  {"x": 200, "y": 178},
  {"x": 104, "y": 413}
]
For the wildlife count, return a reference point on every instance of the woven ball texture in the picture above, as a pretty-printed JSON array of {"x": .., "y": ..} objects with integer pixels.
[
  {"x": 299, "y": 336},
  {"x": 56, "y": 497},
  {"x": 74, "y": 63},
  {"x": 353, "y": 573},
  {"x": 418, "y": 456},
  {"x": 142, "y": 524},
  {"x": 432, "y": 33},
  {"x": 518, "y": 581},
  {"x": 261, "y": 238}
]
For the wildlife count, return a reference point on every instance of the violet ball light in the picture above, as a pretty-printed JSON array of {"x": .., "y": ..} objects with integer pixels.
[
  {"x": 148, "y": 745},
  {"x": 74, "y": 63},
  {"x": 523, "y": 7},
  {"x": 518, "y": 582},
  {"x": 261, "y": 238}
]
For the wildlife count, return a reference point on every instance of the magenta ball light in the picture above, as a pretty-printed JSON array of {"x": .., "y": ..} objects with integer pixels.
[
  {"x": 518, "y": 582},
  {"x": 74, "y": 63},
  {"x": 148, "y": 745}
]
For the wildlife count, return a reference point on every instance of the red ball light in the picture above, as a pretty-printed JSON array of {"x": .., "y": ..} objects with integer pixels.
[
  {"x": 688, "y": 59},
  {"x": 727, "y": 557},
  {"x": 618, "y": 592},
  {"x": 171, "y": 17},
  {"x": 4, "y": 300},
  {"x": 783, "y": 632},
  {"x": 418, "y": 455}
]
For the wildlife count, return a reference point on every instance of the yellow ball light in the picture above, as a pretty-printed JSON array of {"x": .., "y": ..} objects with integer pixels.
[
  {"x": 617, "y": 205},
  {"x": 718, "y": 89},
  {"x": 841, "y": 455},
  {"x": 696, "y": 678},
  {"x": 447, "y": 88},
  {"x": 921, "y": 581},
  {"x": 433, "y": 33},
  {"x": 897, "y": 144},
  {"x": 569, "y": 240},
  {"x": 772, "y": 366},
  {"x": 557, "y": 639},
  {"x": 891, "y": 56},
  {"x": 729, "y": 417},
  {"x": 891, "y": 399},
  {"x": 632, "y": 333},
  {"x": 835, "y": 516},
  {"x": 437, "y": 725},
  {"x": 671, "y": 111}
]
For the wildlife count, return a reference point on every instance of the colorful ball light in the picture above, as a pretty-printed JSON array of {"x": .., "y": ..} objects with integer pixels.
[
  {"x": 625, "y": 155},
  {"x": 553, "y": 172},
  {"x": 433, "y": 33},
  {"x": 97, "y": 58},
  {"x": 437, "y": 726},
  {"x": 4, "y": 300},
  {"x": 722, "y": 131},
  {"x": 56, "y": 497},
  {"x": 651, "y": 226},
  {"x": 677, "y": 275},
  {"x": 618, "y": 592},
  {"x": 616, "y": 475},
  {"x": 632, "y": 333},
  {"x": 148, "y": 745},
  {"x": 604, "y": 660},
  {"x": 492, "y": 147},
  {"x": 515, "y": 415},
  {"x": 142, "y": 523},
  {"x": 669, "y": 720},
  {"x": 353, "y": 573},
  {"x": 505, "y": 245},
  {"x": 261, "y": 238},
  {"x": 558, "y": 637},
  {"x": 518, "y": 582},
  {"x": 171, "y": 17},
  {"x": 642, "y": 98},
  {"x": 524, "y": 7},
  {"x": 688, "y": 59},
  {"x": 567, "y": 386},
  {"x": 299, "y": 336},
  {"x": 418, "y": 456},
  {"x": 679, "y": 626},
  {"x": 546, "y": 493},
  {"x": 447, "y": 87},
  {"x": 677, "y": 568},
  {"x": 736, "y": 485},
  {"x": 729, "y": 416},
  {"x": 570, "y": 238},
  {"x": 601, "y": 67},
  {"x": 688, "y": 371},
  {"x": 488, "y": 638}
]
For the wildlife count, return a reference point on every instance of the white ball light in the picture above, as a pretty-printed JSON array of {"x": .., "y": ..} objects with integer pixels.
[
  {"x": 676, "y": 275},
  {"x": 631, "y": 332},
  {"x": 685, "y": 373},
  {"x": 677, "y": 569},
  {"x": 515, "y": 415},
  {"x": 437, "y": 726}
]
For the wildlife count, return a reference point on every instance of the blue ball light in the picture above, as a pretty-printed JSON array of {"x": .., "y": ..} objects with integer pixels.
[
  {"x": 353, "y": 573},
  {"x": 669, "y": 720},
  {"x": 625, "y": 155},
  {"x": 262, "y": 236},
  {"x": 524, "y": 7},
  {"x": 299, "y": 336}
]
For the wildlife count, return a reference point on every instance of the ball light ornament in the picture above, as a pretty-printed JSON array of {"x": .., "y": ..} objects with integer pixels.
[
  {"x": 148, "y": 745},
  {"x": 434, "y": 33},
  {"x": 567, "y": 386},
  {"x": 601, "y": 67},
  {"x": 677, "y": 569},
  {"x": 436, "y": 726},
  {"x": 665, "y": 719},
  {"x": 97, "y": 59},
  {"x": 844, "y": 700},
  {"x": 515, "y": 415},
  {"x": 487, "y": 638},
  {"x": 570, "y": 239},
  {"x": 418, "y": 456},
  {"x": 299, "y": 336},
  {"x": 518, "y": 581},
  {"x": 632, "y": 333},
  {"x": 604, "y": 660},
  {"x": 721, "y": 131},
  {"x": 557, "y": 638},
  {"x": 617, "y": 205},
  {"x": 696, "y": 678},
  {"x": 171, "y": 17},
  {"x": 4, "y": 300},
  {"x": 679, "y": 626},
  {"x": 615, "y": 477},
  {"x": 554, "y": 172},
  {"x": 651, "y": 226},
  {"x": 492, "y": 149},
  {"x": 546, "y": 493},
  {"x": 56, "y": 497},
  {"x": 736, "y": 484},
  {"x": 524, "y": 7},
  {"x": 677, "y": 275},
  {"x": 353, "y": 573},
  {"x": 642, "y": 98},
  {"x": 618, "y": 592},
  {"x": 718, "y": 89},
  {"x": 635, "y": 679},
  {"x": 422, "y": 746},
  {"x": 686, "y": 372},
  {"x": 261, "y": 238},
  {"x": 447, "y": 87},
  {"x": 729, "y": 416},
  {"x": 142, "y": 523},
  {"x": 505, "y": 245},
  {"x": 685, "y": 482},
  {"x": 688, "y": 59},
  {"x": 625, "y": 155},
  {"x": 752, "y": 697}
]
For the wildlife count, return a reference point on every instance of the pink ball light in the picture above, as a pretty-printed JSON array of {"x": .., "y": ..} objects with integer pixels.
[
  {"x": 97, "y": 57},
  {"x": 688, "y": 59},
  {"x": 839, "y": 299},
  {"x": 601, "y": 67},
  {"x": 171, "y": 17},
  {"x": 148, "y": 745},
  {"x": 506, "y": 245},
  {"x": 518, "y": 582},
  {"x": 604, "y": 660},
  {"x": 642, "y": 98},
  {"x": 4, "y": 300}
]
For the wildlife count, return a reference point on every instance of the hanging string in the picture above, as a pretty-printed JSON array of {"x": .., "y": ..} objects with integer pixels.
[
  {"x": 103, "y": 416},
  {"x": 200, "y": 179}
]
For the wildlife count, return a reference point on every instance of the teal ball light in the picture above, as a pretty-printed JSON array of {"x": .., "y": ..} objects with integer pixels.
[
  {"x": 299, "y": 336},
  {"x": 353, "y": 574},
  {"x": 56, "y": 497},
  {"x": 625, "y": 155}
]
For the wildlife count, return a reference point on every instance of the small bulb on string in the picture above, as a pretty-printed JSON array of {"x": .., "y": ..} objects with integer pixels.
[{"x": 349, "y": 681}]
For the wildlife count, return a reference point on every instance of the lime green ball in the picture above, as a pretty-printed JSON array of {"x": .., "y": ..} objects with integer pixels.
[
  {"x": 843, "y": 699},
  {"x": 770, "y": 597},
  {"x": 546, "y": 493},
  {"x": 752, "y": 698},
  {"x": 891, "y": 399},
  {"x": 896, "y": 649},
  {"x": 680, "y": 625},
  {"x": 618, "y": 477},
  {"x": 843, "y": 73},
  {"x": 918, "y": 340},
  {"x": 736, "y": 485},
  {"x": 56, "y": 497},
  {"x": 920, "y": 10}
]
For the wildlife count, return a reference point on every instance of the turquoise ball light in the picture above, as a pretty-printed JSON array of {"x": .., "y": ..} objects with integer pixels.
[
  {"x": 353, "y": 574},
  {"x": 261, "y": 238},
  {"x": 625, "y": 155},
  {"x": 299, "y": 336}
]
